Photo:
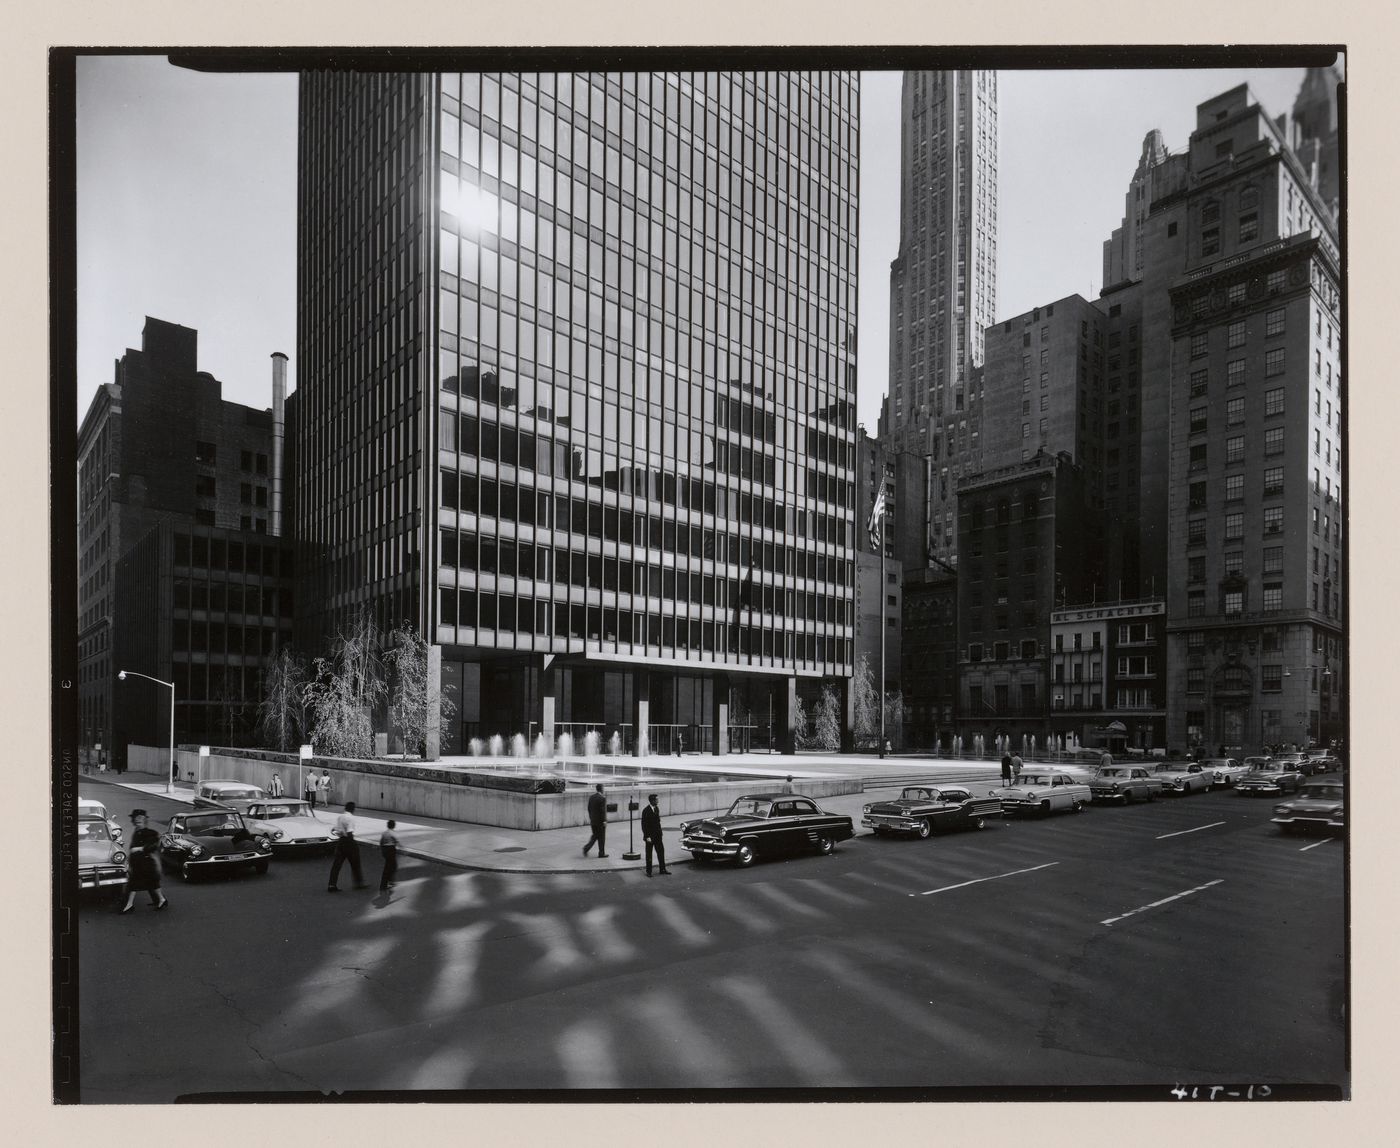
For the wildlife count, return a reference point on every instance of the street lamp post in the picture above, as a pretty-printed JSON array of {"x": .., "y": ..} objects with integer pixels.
[{"x": 121, "y": 677}]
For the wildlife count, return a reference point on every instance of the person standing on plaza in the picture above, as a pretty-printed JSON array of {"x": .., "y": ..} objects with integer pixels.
[
  {"x": 346, "y": 849},
  {"x": 597, "y": 821},
  {"x": 274, "y": 787},
  {"x": 308, "y": 788},
  {"x": 1106, "y": 760},
  {"x": 143, "y": 870},
  {"x": 323, "y": 783},
  {"x": 1016, "y": 765},
  {"x": 1006, "y": 769},
  {"x": 651, "y": 835},
  {"x": 389, "y": 850}
]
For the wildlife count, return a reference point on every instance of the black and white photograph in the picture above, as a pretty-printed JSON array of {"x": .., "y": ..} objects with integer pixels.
[{"x": 701, "y": 574}]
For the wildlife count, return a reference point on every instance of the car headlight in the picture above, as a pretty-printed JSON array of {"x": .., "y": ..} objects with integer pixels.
[
  {"x": 1282, "y": 809},
  {"x": 264, "y": 844},
  {"x": 277, "y": 835},
  {"x": 867, "y": 808},
  {"x": 118, "y": 858},
  {"x": 196, "y": 850}
]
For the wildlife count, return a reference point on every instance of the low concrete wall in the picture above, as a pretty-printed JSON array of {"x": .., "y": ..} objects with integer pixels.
[
  {"x": 149, "y": 759},
  {"x": 381, "y": 786}
]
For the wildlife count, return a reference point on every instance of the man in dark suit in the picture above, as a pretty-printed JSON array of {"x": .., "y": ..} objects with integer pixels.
[
  {"x": 651, "y": 834},
  {"x": 597, "y": 821}
]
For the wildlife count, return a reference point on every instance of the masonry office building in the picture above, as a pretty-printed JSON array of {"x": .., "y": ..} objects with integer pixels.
[{"x": 577, "y": 367}]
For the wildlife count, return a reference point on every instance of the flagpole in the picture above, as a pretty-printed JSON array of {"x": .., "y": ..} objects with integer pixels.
[{"x": 881, "y": 700}]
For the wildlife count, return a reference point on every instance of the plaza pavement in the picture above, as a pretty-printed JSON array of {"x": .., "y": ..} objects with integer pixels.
[{"x": 495, "y": 849}]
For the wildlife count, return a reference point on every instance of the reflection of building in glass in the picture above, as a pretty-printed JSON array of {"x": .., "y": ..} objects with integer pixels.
[{"x": 577, "y": 369}]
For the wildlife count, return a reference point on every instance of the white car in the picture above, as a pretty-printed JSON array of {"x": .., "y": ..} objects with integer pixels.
[
  {"x": 1184, "y": 777},
  {"x": 1226, "y": 769},
  {"x": 88, "y": 807},
  {"x": 1043, "y": 791},
  {"x": 289, "y": 822},
  {"x": 217, "y": 791}
]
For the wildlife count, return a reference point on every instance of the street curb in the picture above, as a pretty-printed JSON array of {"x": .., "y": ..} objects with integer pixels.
[{"x": 454, "y": 863}]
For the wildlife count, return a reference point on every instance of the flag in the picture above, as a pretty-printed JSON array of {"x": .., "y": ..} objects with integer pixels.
[{"x": 877, "y": 518}]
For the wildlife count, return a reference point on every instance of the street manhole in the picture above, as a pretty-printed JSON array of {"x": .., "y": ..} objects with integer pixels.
[{"x": 511, "y": 849}]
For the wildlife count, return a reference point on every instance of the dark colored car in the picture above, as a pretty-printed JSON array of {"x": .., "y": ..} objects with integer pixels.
[
  {"x": 1318, "y": 805},
  {"x": 208, "y": 841},
  {"x": 765, "y": 824},
  {"x": 101, "y": 857},
  {"x": 1323, "y": 763},
  {"x": 1270, "y": 778},
  {"x": 1123, "y": 783},
  {"x": 922, "y": 809}
]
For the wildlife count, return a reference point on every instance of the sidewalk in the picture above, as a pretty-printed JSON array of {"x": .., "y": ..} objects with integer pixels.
[{"x": 498, "y": 850}]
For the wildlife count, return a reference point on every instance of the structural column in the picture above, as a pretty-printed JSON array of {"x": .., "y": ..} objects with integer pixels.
[
  {"x": 432, "y": 740},
  {"x": 549, "y": 693},
  {"x": 641, "y": 710},
  {"x": 785, "y": 690},
  {"x": 848, "y": 716},
  {"x": 719, "y": 717}
]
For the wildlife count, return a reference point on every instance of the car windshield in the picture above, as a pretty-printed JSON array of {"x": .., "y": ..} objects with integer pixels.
[
  {"x": 1115, "y": 771},
  {"x": 237, "y": 792},
  {"x": 1034, "y": 779},
  {"x": 92, "y": 808},
  {"x": 919, "y": 794},
  {"x": 750, "y": 807},
  {"x": 280, "y": 809},
  {"x": 1323, "y": 792},
  {"x": 95, "y": 831},
  {"x": 222, "y": 823}
]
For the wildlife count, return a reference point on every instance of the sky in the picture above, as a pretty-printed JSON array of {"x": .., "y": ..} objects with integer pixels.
[{"x": 187, "y": 202}]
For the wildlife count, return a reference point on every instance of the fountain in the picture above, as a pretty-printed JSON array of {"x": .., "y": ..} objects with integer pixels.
[
  {"x": 643, "y": 745},
  {"x": 614, "y": 744},
  {"x": 517, "y": 746},
  {"x": 590, "y": 743},
  {"x": 474, "y": 747},
  {"x": 977, "y": 746},
  {"x": 497, "y": 745},
  {"x": 957, "y": 745},
  {"x": 566, "y": 745},
  {"x": 541, "y": 746}
]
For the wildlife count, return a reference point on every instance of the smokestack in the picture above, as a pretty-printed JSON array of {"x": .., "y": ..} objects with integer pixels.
[{"x": 279, "y": 434}]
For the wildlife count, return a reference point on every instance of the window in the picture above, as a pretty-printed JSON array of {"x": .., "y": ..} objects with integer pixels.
[
  {"x": 1276, "y": 282},
  {"x": 1273, "y": 362},
  {"x": 1234, "y": 525},
  {"x": 245, "y": 460},
  {"x": 974, "y": 652},
  {"x": 1232, "y": 602},
  {"x": 1234, "y": 333},
  {"x": 1234, "y": 561},
  {"x": 1195, "y": 603},
  {"x": 1273, "y": 520},
  {"x": 1234, "y": 373},
  {"x": 1234, "y": 449},
  {"x": 1271, "y": 679},
  {"x": 1235, "y": 296},
  {"x": 1273, "y": 323},
  {"x": 1210, "y": 241},
  {"x": 205, "y": 452},
  {"x": 1198, "y": 419},
  {"x": 1249, "y": 227},
  {"x": 1273, "y": 401},
  {"x": 1196, "y": 680},
  {"x": 1234, "y": 487},
  {"x": 1197, "y": 499},
  {"x": 1028, "y": 649},
  {"x": 1273, "y": 441},
  {"x": 1200, "y": 382},
  {"x": 1171, "y": 230},
  {"x": 1273, "y": 481},
  {"x": 1198, "y": 456},
  {"x": 1234, "y": 411},
  {"x": 1273, "y": 595},
  {"x": 1200, "y": 304},
  {"x": 1196, "y": 569},
  {"x": 1195, "y": 641},
  {"x": 1200, "y": 344},
  {"x": 1210, "y": 211},
  {"x": 1196, "y": 531}
]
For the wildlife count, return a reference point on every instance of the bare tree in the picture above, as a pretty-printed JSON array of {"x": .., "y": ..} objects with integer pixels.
[
  {"x": 412, "y": 695},
  {"x": 345, "y": 690},
  {"x": 823, "y": 724},
  {"x": 281, "y": 712},
  {"x": 867, "y": 716}
]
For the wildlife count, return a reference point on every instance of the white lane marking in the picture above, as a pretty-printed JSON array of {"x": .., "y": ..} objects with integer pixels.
[
  {"x": 1314, "y": 845},
  {"x": 1198, "y": 828},
  {"x": 979, "y": 880},
  {"x": 1164, "y": 901}
]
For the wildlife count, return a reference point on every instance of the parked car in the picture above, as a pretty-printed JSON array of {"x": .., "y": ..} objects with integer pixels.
[
  {"x": 217, "y": 791},
  {"x": 101, "y": 858},
  {"x": 1318, "y": 805},
  {"x": 89, "y": 807},
  {"x": 1043, "y": 791},
  {"x": 288, "y": 822},
  {"x": 1184, "y": 777},
  {"x": 1298, "y": 761},
  {"x": 1269, "y": 778},
  {"x": 765, "y": 824},
  {"x": 1226, "y": 769},
  {"x": 1259, "y": 762},
  {"x": 212, "y": 840},
  {"x": 1124, "y": 783},
  {"x": 921, "y": 809},
  {"x": 1324, "y": 762}
]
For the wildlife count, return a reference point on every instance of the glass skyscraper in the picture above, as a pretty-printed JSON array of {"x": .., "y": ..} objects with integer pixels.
[{"x": 577, "y": 390}]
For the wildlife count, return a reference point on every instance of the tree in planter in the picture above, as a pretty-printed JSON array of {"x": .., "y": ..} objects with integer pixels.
[
  {"x": 411, "y": 699},
  {"x": 894, "y": 717},
  {"x": 345, "y": 691},
  {"x": 281, "y": 712},
  {"x": 867, "y": 693},
  {"x": 824, "y": 722}
]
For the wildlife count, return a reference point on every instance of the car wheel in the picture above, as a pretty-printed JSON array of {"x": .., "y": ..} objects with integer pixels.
[
  {"x": 979, "y": 823},
  {"x": 697, "y": 855},
  {"x": 1152, "y": 794},
  {"x": 260, "y": 868},
  {"x": 1077, "y": 807},
  {"x": 186, "y": 873},
  {"x": 1045, "y": 807},
  {"x": 826, "y": 846},
  {"x": 746, "y": 855},
  {"x": 924, "y": 829}
]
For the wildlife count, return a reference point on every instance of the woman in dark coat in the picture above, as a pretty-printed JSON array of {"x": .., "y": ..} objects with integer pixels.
[{"x": 143, "y": 868}]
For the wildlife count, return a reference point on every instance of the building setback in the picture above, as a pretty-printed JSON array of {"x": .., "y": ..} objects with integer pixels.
[
  {"x": 943, "y": 283},
  {"x": 1245, "y": 258},
  {"x": 158, "y": 447},
  {"x": 577, "y": 389}
]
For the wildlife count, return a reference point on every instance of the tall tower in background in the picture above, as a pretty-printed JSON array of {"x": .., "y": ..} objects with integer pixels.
[
  {"x": 943, "y": 283},
  {"x": 1314, "y": 135},
  {"x": 1122, "y": 252}
]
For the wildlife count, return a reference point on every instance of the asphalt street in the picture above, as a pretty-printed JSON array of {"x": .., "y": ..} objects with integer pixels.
[{"x": 1180, "y": 942}]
